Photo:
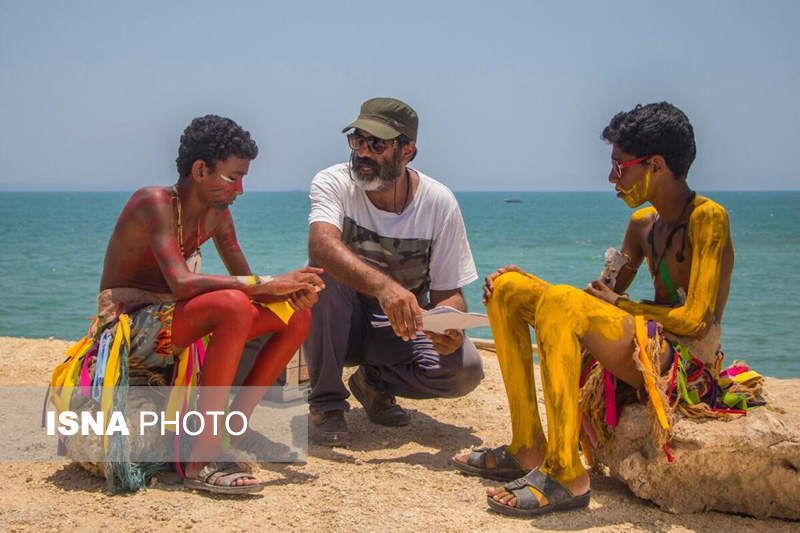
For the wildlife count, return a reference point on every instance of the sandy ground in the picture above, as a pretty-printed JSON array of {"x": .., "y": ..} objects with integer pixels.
[{"x": 390, "y": 479}]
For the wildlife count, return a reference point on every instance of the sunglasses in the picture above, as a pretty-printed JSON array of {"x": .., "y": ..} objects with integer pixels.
[
  {"x": 617, "y": 166},
  {"x": 375, "y": 145}
]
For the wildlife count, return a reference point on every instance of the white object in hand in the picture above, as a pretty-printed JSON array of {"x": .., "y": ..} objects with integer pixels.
[
  {"x": 614, "y": 261},
  {"x": 440, "y": 319}
]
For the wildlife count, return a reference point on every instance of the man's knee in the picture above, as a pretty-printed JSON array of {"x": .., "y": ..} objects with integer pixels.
[
  {"x": 333, "y": 312},
  {"x": 469, "y": 374}
]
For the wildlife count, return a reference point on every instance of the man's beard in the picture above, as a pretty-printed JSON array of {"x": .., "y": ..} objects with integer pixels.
[{"x": 383, "y": 175}]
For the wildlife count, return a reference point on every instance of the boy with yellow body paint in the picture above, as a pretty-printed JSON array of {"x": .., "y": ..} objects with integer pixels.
[{"x": 686, "y": 241}]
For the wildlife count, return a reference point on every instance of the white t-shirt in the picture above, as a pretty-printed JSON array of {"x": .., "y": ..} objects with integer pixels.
[{"x": 425, "y": 248}]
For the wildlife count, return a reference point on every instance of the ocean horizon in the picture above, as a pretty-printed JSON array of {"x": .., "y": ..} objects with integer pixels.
[{"x": 53, "y": 244}]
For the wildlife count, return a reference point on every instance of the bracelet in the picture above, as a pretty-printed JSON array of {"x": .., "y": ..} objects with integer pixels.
[
  {"x": 623, "y": 296},
  {"x": 254, "y": 280}
]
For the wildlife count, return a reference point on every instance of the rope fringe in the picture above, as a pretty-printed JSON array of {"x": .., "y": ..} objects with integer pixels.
[{"x": 690, "y": 389}]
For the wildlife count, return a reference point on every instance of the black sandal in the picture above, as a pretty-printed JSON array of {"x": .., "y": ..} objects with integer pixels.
[
  {"x": 507, "y": 468},
  {"x": 558, "y": 497}
]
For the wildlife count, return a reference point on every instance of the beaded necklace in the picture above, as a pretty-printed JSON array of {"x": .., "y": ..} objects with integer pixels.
[
  {"x": 195, "y": 259},
  {"x": 656, "y": 266}
]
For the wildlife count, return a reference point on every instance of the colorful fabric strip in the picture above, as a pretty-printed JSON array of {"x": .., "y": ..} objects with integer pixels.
[
  {"x": 610, "y": 395},
  {"x": 649, "y": 374},
  {"x": 122, "y": 334},
  {"x": 103, "y": 349}
]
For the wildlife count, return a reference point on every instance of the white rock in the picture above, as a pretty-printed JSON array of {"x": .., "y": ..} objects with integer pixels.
[{"x": 747, "y": 465}]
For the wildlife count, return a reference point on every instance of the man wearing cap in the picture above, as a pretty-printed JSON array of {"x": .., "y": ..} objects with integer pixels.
[{"x": 392, "y": 242}]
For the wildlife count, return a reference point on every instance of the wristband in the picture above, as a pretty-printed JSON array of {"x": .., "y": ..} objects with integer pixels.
[
  {"x": 623, "y": 296},
  {"x": 254, "y": 280}
]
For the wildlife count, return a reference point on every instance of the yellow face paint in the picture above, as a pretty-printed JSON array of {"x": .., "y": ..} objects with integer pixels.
[{"x": 639, "y": 192}]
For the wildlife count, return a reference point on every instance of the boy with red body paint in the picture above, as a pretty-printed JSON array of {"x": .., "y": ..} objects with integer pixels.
[{"x": 146, "y": 259}]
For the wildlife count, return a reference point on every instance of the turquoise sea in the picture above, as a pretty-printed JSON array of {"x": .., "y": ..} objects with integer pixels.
[{"x": 52, "y": 246}]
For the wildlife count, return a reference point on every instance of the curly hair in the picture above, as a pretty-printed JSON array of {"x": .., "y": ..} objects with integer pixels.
[
  {"x": 655, "y": 129},
  {"x": 212, "y": 138}
]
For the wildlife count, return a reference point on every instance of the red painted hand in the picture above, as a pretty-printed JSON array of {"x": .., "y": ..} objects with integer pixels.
[{"x": 305, "y": 279}]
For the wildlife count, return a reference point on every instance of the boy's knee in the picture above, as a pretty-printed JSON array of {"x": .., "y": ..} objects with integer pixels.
[
  {"x": 506, "y": 287},
  {"x": 232, "y": 305},
  {"x": 300, "y": 322},
  {"x": 508, "y": 284}
]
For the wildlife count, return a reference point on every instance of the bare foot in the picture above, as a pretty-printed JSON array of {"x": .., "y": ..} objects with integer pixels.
[{"x": 577, "y": 487}]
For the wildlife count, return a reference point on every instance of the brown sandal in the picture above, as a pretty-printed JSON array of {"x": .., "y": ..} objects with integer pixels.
[{"x": 227, "y": 473}]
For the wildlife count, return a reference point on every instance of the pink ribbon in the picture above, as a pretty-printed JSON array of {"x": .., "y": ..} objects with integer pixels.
[
  {"x": 609, "y": 392},
  {"x": 732, "y": 371}
]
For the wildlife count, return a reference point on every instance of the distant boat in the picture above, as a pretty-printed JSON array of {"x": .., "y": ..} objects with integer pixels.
[{"x": 513, "y": 201}]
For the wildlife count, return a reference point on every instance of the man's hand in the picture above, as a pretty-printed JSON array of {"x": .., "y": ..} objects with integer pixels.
[
  {"x": 402, "y": 310},
  {"x": 448, "y": 342},
  {"x": 305, "y": 279},
  {"x": 488, "y": 283},
  {"x": 303, "y": 299},
  {"x": 601, "y": 291}
]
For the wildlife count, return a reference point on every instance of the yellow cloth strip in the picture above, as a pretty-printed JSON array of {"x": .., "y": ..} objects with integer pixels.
[
  {"x": 282, "y": 310},
  {"x": 746, "y": 376},
  {"x": 64, "y": 374},
  {"x": 59, "y": 376},
  {"x": 69, "y": 384},
  {"x": 648, "y": 374},
  {"x": 79, "y": 346},
  {"x": 111, "y": 376},
  {"x": 175, "y": 402}
]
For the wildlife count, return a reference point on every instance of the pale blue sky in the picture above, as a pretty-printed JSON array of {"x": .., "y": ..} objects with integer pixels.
[{"x": 511, "y": 95}]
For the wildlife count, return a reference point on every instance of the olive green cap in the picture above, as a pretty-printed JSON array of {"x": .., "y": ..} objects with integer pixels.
[{"x": 386, "y": 118}]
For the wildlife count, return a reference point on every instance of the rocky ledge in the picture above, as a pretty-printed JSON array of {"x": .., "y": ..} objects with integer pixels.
[{"x": 749, "y": 465}]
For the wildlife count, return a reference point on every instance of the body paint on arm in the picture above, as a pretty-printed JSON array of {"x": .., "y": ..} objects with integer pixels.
[{"x": 709, "y": 233}]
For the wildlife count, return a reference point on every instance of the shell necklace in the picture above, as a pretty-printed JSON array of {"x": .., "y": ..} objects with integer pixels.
[{"x": 194, "y": 261}]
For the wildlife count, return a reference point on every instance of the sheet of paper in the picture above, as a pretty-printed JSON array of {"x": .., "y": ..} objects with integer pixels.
[{"x": 442, "y": 318}]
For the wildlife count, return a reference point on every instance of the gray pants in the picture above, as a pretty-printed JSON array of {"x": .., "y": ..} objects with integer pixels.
[{"x": 341, "y": 335}]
